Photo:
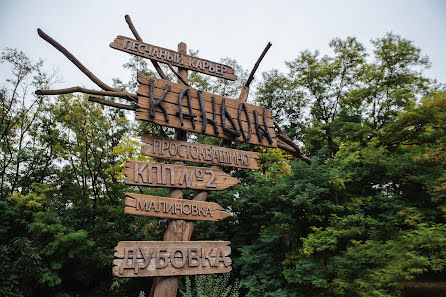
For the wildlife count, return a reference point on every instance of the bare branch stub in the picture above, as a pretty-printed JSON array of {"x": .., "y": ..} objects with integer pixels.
[
  {"x": 178, "y": 75},
  {"x": 256, "y": 65},
  {"x": 75, "y": 61},
  {"x": 127, "y": 96},
  {"x": 138, "y": 37}
]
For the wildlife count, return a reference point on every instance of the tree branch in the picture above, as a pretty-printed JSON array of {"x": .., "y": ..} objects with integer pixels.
[
  {"x": 245, "y": 89},
  {"x": 127, "y": 96},
  {"x": 75, "y": 61},
  {"x": 111, "y": 103},
  {"x": 256, "y": 65},
  {"x": 288, "y": 145}
]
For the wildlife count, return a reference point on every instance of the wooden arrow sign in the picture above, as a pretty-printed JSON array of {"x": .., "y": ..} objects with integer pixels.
[
  {"x": 170, "y": 258},
  {"x": 181, "y": 209},
  {"x": 195, "y": 152},
  {"x": 174, "y": 105},
  {"x": 163, "y": 55},
  {"x": 177, "y": 176}
]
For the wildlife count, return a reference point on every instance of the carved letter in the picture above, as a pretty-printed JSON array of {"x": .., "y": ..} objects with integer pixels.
[
  {"x": 140, "y": 205},
  {"x": 180, "y": 113},
  {"x": 259, "y": 129},
  {"x": 140, "y": 171},
  {"x": 158, "y": 173},
  {"x": 225, "y": 115},
  {"x": 171, "y": 168},
  {"x": 158, "y": 103},
  {"x": 124, "y": 263},
  {"x": 172, "y": 258},
  {"x": 194, "y": 257},
  {"x": 211, "y": 180},
  {"x": 146, "y": 258},
  {"x": 243, "y": 106},
  {"x": 158, "y": 258},
  {"x": 206, "y": 255},
  {"x": 203, "y": 114},
  {"x": 221, "y": 257},
  {"x": 186, "y": 177}
]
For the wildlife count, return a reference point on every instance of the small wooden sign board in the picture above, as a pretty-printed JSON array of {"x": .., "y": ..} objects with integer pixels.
[
  {"x": 177, "y": 176},
  {"x": 171, "y": 258},
  {"x": 163, "y": 55},
  {"x": 195, "y": 152},
  {"x": 173, "y": 105},
  {"x": 171, "y": 208}
]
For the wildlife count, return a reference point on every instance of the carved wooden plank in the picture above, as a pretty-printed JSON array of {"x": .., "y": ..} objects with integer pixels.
[
  {"x": 177, "y": 176},
  {"x": 181, "y": 209},
  {"x": 159, "y": 102},
  {"x": 164, "y": 55},
  {"x": 170, "y": 258},
  {"x": 194, "y": 152}
]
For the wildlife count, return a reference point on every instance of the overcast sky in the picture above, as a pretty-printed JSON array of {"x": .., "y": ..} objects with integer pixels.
[{"x": 226, "y": 28}]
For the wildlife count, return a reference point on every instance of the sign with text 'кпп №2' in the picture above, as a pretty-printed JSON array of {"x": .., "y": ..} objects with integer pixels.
[
  {"x": 177, "y": 176},
  {"x": 163, "y": 55},
  {"x": 174, "y": 105}
]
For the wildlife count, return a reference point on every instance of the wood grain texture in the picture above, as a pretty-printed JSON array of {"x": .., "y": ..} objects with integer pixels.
[
  {"x": 163, "y": 207},
  {"x": 243, "y": 123},
  {"x": 177, "y": 176},
  {"x": 209, "y": 154},
  {"x": 171, "y": 258},
  {"x": 146, "y": 50}
]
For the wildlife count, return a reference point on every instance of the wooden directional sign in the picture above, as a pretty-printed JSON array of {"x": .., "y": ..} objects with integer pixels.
[
  {"x": 181, "y": 209},
  {"x": 177, "y": 176},
  {"x": 163, "y": 55},
  {"x": 185, "y": 151},
  {"x": 171, "y": 104},
  {"x": 170, "y": 258}
]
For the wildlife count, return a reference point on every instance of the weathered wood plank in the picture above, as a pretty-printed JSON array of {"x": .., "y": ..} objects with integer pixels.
[
  {"x": 171, "y": 258},
  {"x": 163, "y": 207},
  {"x": 159, "y": 103},
  {"x": 177, "y": 176},
  {"x": 174, "y": 58},
  {"x": 194, "y": 152}
]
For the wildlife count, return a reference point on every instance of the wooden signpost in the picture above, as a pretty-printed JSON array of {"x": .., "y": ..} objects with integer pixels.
[
  {"x": 195, "y": 152},
  {"x": 175, "y": 105},
  {"x": 163, "y": 55},
  {"x": 179, "y": 106},
  {"x": 171, "y": 208},
  {"x": 177, "y": 176},
  {"x": 171, "y": 258}
]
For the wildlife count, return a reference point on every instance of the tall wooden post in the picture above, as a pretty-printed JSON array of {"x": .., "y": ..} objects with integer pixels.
[{"x": 168, "y": 286}]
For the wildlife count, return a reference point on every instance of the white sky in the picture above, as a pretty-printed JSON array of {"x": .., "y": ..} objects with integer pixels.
[{"x": 227, "y": 28}]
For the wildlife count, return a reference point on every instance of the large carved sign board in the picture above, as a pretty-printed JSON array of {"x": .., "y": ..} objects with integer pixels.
[
  {"x": 171, "y": 208},
  {"x": 163, "y": 55},
  {"x": 170, "y": 258},
  {"x": 177, "y": 176},
  {"x": 195, "y": 152},
  {"x": 175, "y": 105}
]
